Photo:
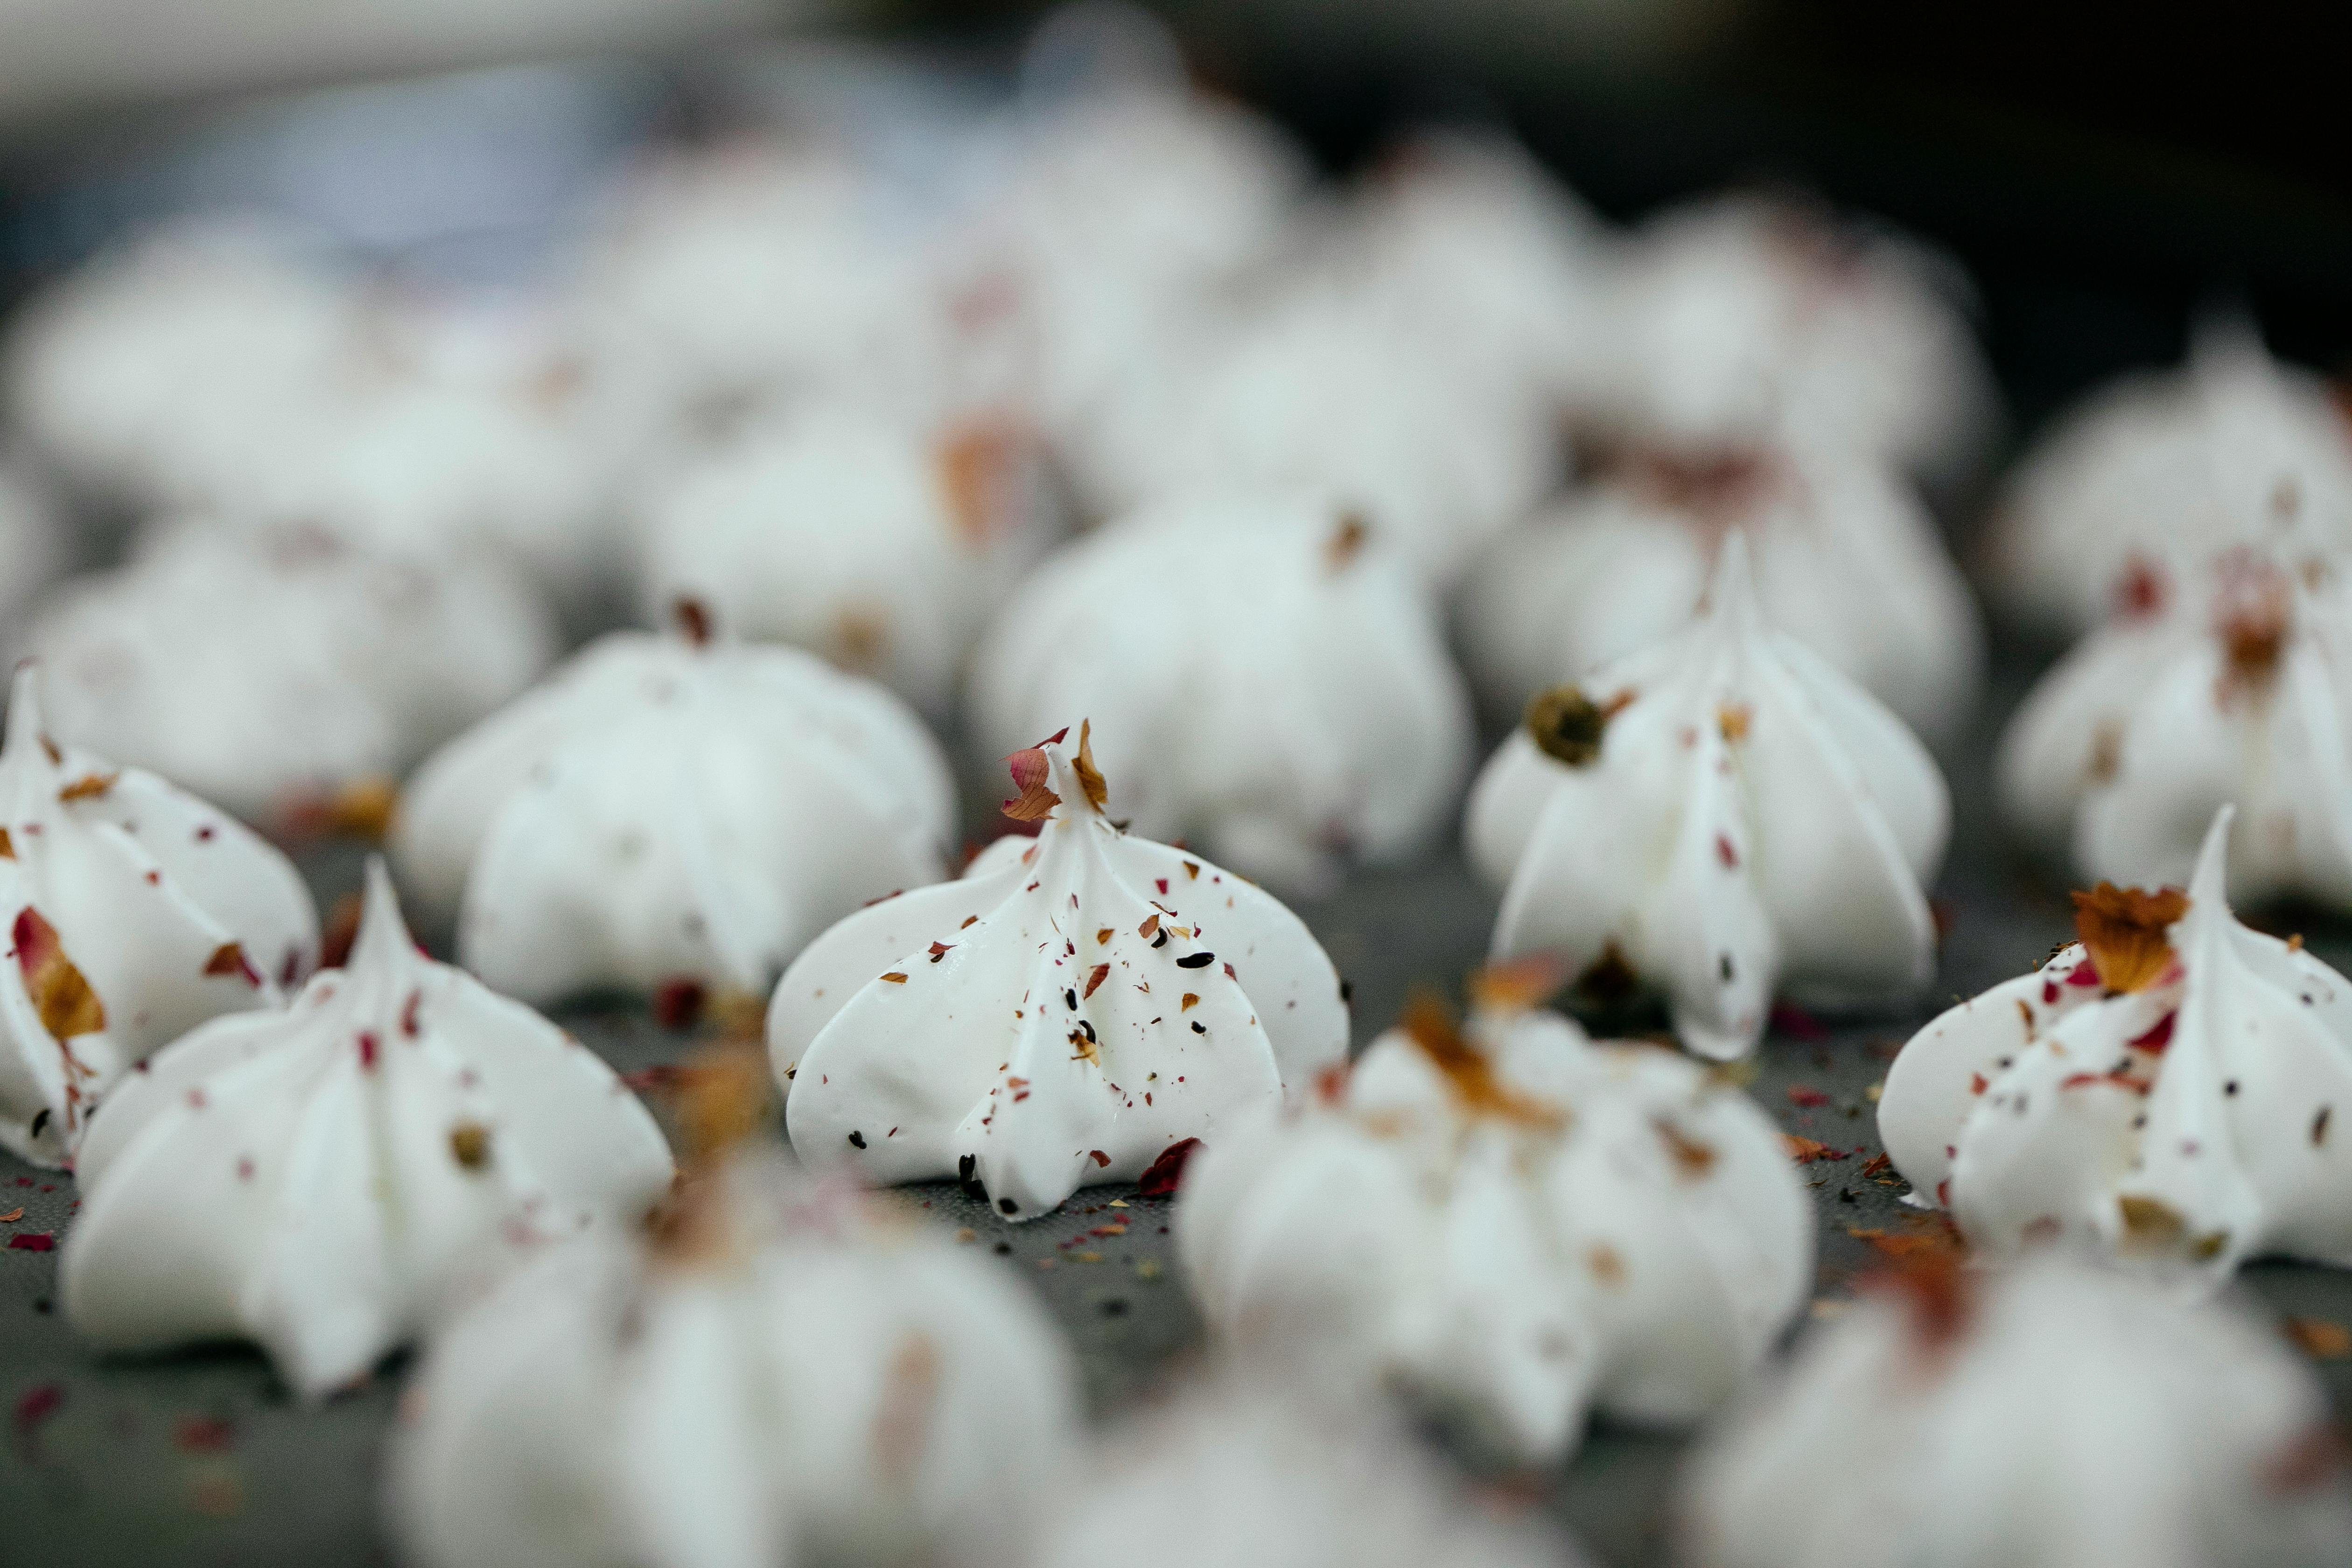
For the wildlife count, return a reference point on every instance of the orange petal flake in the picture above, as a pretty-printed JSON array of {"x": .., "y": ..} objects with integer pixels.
[
  {"x": 2124, "y": 930},
  {"x": 60, "y": 994}
]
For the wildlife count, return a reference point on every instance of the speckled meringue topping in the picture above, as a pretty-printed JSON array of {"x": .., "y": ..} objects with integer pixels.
[
  {"x": 2121, "y": 753},
  {"x": 136, "y": 912},
  {"x": 321, "y": 1180},
  {"x": 2121, "y": 503},
  {"x": 267, "y": 669},
  {"x": 1720, "y": 817},
  {"x": 1846, "y": 560},
  {"x": 1268, "y": 682},
  {"x": 2170, "y": 1091},
  {"x": 2048, "y": 1416},
  {"x": 787, "y": 1375},
  {"x": 1737, "y": 318},
  {"x": 1068, "y": 1012},
  {"x": 671, "y": 809},
  {"x": 881, "y": 545},
  {"x": 1238, "y": 1469},
  {"x": 1514, "y": 1223}
]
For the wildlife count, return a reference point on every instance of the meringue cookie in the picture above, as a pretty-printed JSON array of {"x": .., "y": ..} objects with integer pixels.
[
  {"x": 174, "y": 346},
  {"x": 266, "y": 668},
  {"x": 759, "y": 272},
  {"x": 858, "y": 537},
  {"x": 1324, "y": 387},
  {"x": 1722, "y": 815},
  {"x": 1517, "y": 1225},
  {"x": 30, "y": 547},
  {"x": 2126, "y": 497},
  {"x": 814, "y": 1381},
  {"x": 1270, "y": 681},
  {"x": 2122, "y": 752},
  {"x": 2051, "y": 1416},
  {"x": 319, "y": 1180},
  {"x": 668, "y": 808},
  {"x": 1845, "y": 558},
  {"x": 1048, "y": 1020},
  {"x": 1737, "y": 318},
  {"x": 1475, "y": 245},
  {"x": 138, "y": 911},
  {"x": 1238, "y": 1470},
  {"x": 2177, "y": 1107}
]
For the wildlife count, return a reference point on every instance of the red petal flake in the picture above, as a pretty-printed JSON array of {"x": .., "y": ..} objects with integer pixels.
[
  {"x": 1099, "y": 1158},
  {"x": 58, "y": 990},
  {"x": 1030, "y": 771},
  {"x": 1810, "y": 1099},
  {"x": 1095, "y": 979},
  {"x": 2156, "y": 1037},
  {"x": 32, "y": 1241},
  {"x": 678, "y": 1002},
  {"x": 1797, "y": 1023},
  {"x": 1167, "y": 1171},
  {"x": 229, "y": 958}
]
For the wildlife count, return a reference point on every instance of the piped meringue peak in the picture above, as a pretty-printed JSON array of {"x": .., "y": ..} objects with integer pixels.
[
  {"x": 825, "y": 1382},
  {"x": 2238, "y": 693},
  {"x": 1064, "y": 1014},
  {"x": 671, "y": 811},
  {"x": 2051, "y": 1415},
  {"x": 319, "y": 1180},
  {"x": 136, "y": 912},
  {"x": 2170, "y": 1090},
  {"x": 1717, "y": 816},
  {"x": 1514, "y": 1223}
]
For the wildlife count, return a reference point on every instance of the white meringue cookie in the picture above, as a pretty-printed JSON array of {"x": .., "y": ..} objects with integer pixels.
[
  {"x": 1238, "y": 1471},
  {"x": 1475, "y": 246},
  {"x": 1517, "y": 1226},
  {"x": 2126, "y": 497},
  {"x": 2121, "y": 753},
  {"x": 263, "y": 669},
  {"x": 759, "y": 272},
  {"x": 181, "y": 344},
  {"x": 1846, "y": 558},
  {"x": 815, "y": 1383},
  {"x": 1324, "y": 387},
  {"x": 2185, "y": 1112},
  {"x": 664, "y": 808},
  {"x": 321, "y": 1179},
  {"x": 31, "y": 548},
  {"x": 137, "y": 913},
  {"x": 1722, "y": 816},
  {"x": 1047, "y": 1022},
  {"x": 861, "y": 538},
  {"x": 2051, "y": 1416},
  {"x": 1737, "y": 319},
  {"x": 1269, "y": 681}
]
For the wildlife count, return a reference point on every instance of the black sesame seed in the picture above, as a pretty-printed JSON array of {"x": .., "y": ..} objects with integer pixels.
[
  {"x": 1087, "y": 1024},
  {"x": 857, "y": 1140},
  {"x": 1723, "y": 966},
  {"x": 1008, "y": 1205},
  {"x": 2230, "y": 1087},
  {"x": 1070, "y": 1000},
  {"x": 1346, "y": 991},
  {"x": 40, "y": 1119},
  {"x": 1201, "y": 960},
  {"x": 1200, "y": 1029},
  {"x": 1003, "y": 1249}
]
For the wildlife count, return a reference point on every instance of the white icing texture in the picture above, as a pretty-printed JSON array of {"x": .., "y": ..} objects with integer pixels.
[
  {"x": 1266, "y": 679},
  {"x": 267, "y": 669},
  {"x": 2049, "y": 1416},
  {"x": 136, "y": 912},
  {"x": 1846, "y": 560},
  {"x": 1720, "y": 816},
  {"x": 321, "y": 1179},
  {"x": 2189, "y": 1119},
  {"x": 2237, "y": 693},
  {"x": 1514, "y": 1223},
  {"x": 2124, "y": 501},
  {"x": 1063, "y": 1014},
  {"x": 815, "y": 1381},
  {"x": 666, "y": 809}
]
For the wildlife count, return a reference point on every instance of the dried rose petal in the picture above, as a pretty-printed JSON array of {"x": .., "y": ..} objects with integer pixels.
[
  {"x": 1427, "y": 1023},
  {"x": 60, "y": 994},
  {"x": 2124, "y": 930},
  {"x": 1519, "y": 983},
  {"x": 1167, "y": 1173}
]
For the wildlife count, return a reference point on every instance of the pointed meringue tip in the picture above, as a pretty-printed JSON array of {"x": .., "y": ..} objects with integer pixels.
[
  {"x": 383, "y": 931},
  {"x": 24, "y": 704},
  {"x": 1731, "y": 581},
  {"x": 2208, "y": 885}
]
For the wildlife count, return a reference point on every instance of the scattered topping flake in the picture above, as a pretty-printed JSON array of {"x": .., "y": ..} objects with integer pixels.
[
  {"x": 895, "y": 978},
  {"x": 1732, "y": 721},
  {"x": 693, "y": 618},
  {"x": 940, "y": 949},
  {"x": 1519, "y": 984},
  {"x": 1201, "y": 960},
  {"x": 1429, "y": 1024},
  {"x": 2254, "y": 611},
  {"x": 469, "y": 1144},
  {"x": 89, "y": 786},
  {"x": 1347, "y": 542},
  {"x": 1691, "y": 1157},
  {"x": 1100, "y": 1159},
  {"x": 2319, "y": 1337},
  {"x": 1030, "y": 771},
  {"x": 1808, "y": 1098},
  {"x": 2150, "y": 1223},
  {"x": 1090, "y": 777},
  {"x": 1805, "y": 1151},
  {"x": 32, "y": 1241},
  {"x": 679, "y": 1003},
  {"x": 229, "y": 958},
  {"x": 58, "y": 990},
  {"x": 975, "y": 462},
  {"x": 2124, "y": 930},
  {"x": 1151, "y": 925},
  {"x": 1568, "y": 726},
  {"x": 1166, "y": 1172},
  {"x": 1095, "y": 978}
]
